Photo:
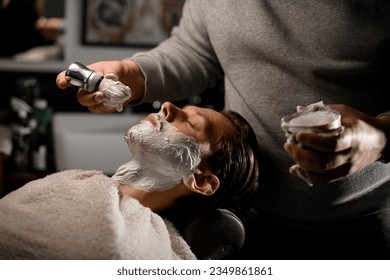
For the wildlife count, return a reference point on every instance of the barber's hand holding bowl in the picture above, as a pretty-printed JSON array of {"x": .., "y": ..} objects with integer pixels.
[{"x": 326, "y": 159}]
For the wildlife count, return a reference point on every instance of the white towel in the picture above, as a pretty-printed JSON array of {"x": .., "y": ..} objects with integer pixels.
[{"x": 79, "y": 214}]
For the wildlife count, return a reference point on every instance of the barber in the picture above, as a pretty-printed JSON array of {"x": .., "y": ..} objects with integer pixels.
[{"x": 274, "y": 56}]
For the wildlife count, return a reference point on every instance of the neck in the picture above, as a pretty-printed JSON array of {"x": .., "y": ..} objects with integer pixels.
[{"x": 157, "y": 201}]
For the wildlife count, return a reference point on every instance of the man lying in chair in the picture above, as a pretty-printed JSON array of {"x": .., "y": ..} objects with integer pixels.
[{"x": 185, "y": 163}]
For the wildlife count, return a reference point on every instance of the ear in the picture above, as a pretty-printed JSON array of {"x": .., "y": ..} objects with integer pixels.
[{"x": 205, "y": 183}]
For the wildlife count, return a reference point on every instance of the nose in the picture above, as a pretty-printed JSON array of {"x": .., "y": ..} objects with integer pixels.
[{"x": 171, "y": 112}]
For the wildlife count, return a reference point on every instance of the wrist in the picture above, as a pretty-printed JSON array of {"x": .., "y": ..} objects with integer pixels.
[{"x": 136, "y": 80}]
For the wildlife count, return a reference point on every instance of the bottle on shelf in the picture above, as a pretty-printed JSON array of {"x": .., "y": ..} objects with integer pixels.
[{"x": 43, "y": 114}]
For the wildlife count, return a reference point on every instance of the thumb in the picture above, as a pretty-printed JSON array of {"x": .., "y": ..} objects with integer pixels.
[{"x": 62, "y": 81}]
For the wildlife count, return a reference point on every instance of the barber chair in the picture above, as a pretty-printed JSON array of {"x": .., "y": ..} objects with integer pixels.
[{"x": 215, "y": 235}]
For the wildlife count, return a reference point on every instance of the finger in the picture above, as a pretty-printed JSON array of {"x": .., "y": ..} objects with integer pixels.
[
  {"x": 112, "y": 76},
  {"x": 317, "y": 161},
  {"x": 87, "y": 99},
  {"x": 320, "y": 178},
  {"x": 297, "y": 171},
  {"x": 62, "y": 81},
  {"x": 93, "y": 101},
  {"x": 339, "y": 142},
  {"x": 98, "y": 97},
  {"x": 306, "y": 158}
]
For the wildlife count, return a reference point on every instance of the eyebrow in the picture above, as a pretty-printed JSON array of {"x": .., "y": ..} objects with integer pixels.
[{"x": 203, "y": 120}]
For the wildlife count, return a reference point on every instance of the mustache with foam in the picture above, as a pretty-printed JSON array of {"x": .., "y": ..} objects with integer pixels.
[{"x": 163, "y": 140}]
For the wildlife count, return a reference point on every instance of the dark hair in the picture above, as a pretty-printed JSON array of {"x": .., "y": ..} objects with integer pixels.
[{"x": 235, "y": 162}]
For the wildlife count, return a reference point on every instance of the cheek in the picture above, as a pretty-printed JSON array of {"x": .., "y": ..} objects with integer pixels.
[
  {"x": 185, "y": 128},
  {"x": 201, "y": 136}
]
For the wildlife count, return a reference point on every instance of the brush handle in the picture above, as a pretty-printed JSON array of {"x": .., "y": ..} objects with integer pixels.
[{"x": 83, "y": 77}]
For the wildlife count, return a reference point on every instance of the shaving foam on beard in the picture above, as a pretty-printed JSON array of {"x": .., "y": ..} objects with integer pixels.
[{"x": 161, "y": 156}]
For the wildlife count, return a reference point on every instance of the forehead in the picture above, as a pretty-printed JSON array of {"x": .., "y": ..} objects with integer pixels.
[{"x": 216, "y": 124}]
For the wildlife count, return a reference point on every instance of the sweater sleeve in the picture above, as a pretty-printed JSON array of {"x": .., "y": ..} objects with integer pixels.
[{"x": 185, "y": 64}]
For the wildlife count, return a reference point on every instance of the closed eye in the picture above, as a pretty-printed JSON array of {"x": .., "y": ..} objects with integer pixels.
[{"x": 190, "y": 123}]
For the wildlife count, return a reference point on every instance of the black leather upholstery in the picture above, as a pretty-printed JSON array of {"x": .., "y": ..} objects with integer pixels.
[{"x": 215, "y": 235}]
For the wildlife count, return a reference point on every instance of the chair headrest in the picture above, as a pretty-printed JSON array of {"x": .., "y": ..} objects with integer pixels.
[{"x": 215, "y": 235}]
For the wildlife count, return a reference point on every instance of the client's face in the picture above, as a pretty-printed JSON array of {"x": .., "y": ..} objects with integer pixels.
[
  {"x": 170, "y": 144},
  {"x": 206, "y": 126}
]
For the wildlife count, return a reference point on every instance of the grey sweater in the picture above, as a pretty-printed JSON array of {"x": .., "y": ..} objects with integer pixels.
[{"x": 275, "y": 55}]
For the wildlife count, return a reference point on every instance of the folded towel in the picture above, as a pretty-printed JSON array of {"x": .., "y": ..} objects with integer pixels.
[{"x": 79, "y": 214}]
